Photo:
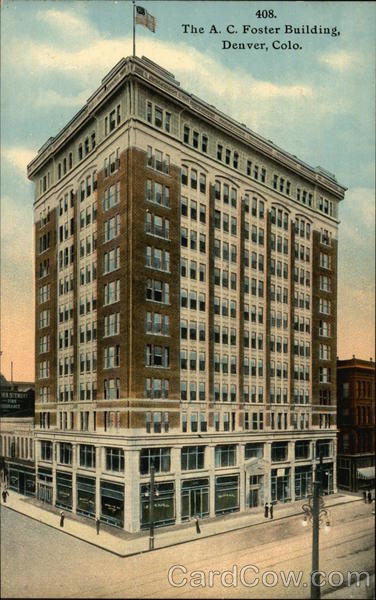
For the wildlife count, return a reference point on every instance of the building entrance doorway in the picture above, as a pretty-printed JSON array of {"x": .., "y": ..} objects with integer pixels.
[
  {"x": 195, "y": 498},
  {"x": 21, "y": 482},
  {"x": 253, "y": 498},
  {"x": 45, "y": 493},
  {"x": 196, "y": 502}
]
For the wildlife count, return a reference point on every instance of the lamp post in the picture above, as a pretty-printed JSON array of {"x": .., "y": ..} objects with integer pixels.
[{"x": 315, "y": 512}]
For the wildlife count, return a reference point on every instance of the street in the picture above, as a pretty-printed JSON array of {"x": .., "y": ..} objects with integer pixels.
[{"x": 38, "y": 561}]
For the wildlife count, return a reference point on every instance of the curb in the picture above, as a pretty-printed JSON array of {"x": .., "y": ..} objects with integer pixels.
[{"x": 169, "y": 545}]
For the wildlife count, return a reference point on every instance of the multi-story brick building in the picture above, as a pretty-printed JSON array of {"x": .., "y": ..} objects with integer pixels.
[
  {"x": 17, "y": 466},
  {"x": 356, "y": 423},
  {"x": 186, "y": 280}
]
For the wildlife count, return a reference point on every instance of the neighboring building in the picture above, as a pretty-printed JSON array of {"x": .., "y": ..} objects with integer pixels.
[
  {"x": 186, "y": 309},
  {"x": 356, "y": 423},
  {"x": 17, "y": 435}
]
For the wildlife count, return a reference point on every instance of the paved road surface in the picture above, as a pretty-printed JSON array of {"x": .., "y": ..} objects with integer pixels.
[{"x": 38, "y": 561}]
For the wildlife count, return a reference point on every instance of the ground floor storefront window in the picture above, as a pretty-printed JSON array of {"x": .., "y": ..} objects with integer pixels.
[
  {"x": 86, "y": 496},
  {"x": 194, "y": 498},
  {"x": 226, "y": 494},
  {"x": 112, "y": 503},
  {"x": 22, "y": 479},
  {"x": 303, "y": 482},
  {"x": 280, "y": 480},
  {"x": 164, "y": 504},
  {"x": 44, "y": 485},
  {"x": 64, "y": 498}
]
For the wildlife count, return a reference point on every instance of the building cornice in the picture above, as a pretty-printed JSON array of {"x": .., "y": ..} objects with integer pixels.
[{"x": 153, "y": 75}]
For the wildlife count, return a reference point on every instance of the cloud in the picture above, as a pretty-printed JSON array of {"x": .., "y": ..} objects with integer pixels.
[
  {"x": 18, "y": 157},
  {"x": 53, "y": 98},
  {"x": 67, "y": 23},
  {"x": 339, "y": 60}
]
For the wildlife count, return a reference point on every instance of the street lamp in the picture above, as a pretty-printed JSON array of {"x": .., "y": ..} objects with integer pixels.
[
  {"x": 151, "y": 494},
  {"x": 316, "y": 513}
]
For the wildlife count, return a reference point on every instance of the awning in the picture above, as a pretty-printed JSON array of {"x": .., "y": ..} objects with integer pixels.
[{"x": 366, "y": 473}]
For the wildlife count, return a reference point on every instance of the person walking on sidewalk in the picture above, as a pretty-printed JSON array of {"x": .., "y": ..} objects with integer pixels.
[
  {"x": 4, "y": 494},
  {"x": 198, "y": 530},
  {"x": 369, "y": 496},
  {"x": 271, "y": 510},
  {"x": 365, "y": 496},
  {"x": 97, "y": 524},
  {"x": 62, "y": 517},
  {"x": 266, "y": 510}
]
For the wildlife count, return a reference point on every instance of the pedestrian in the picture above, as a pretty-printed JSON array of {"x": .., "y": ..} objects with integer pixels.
[
  {"x": 369, "y": 497},
  {"x": 271, "y": 510},
  {"x": 198, "y": 530},
  {"x": 4, "y": 495},
  {"x": 364, "y": 496},
  {"x": 62, "y": 517},
  {"x": 266, "y": 510},
  {"x": 97, "y": 524}
]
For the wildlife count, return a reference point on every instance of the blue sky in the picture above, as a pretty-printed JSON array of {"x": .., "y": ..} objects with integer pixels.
[{"x": 317, "y": 103}]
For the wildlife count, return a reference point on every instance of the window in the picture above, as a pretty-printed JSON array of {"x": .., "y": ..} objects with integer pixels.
[
  {"x": 279, "y": 451},
  {"x": 225, "y": 456},
  {"x": 302, "y": 449},
  {"x": 111, "y": 324},
  {"x": 114, "y": 459},
  {"x": 65, "y": 454},
  {"x": 111, "y": 389},
  {"x": 111, "y": 196},
  {"x": 156, "y": 356},
  {"x": 159, "y": 458},
  {"x": 324, "y": 306},
  {"x": 157, "y": 259},
  {"x": 112, "y": 292},
  {"x": 46, "y": 450},
  {"x": 253, "y": 451},
  {"x": 87, "y": 456},
  {"x": 192, "y": 457}
]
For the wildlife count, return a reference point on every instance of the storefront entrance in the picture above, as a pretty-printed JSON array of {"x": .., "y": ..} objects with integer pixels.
[
  {"x": 303, "y": 482},
  {"x": 255, "y": 490},
  {"x": 45, "y": 485},
  {"x": 194, "y": 498},
  {"x": 327, "y": 479},
  {"x": 280, "y": 485}
]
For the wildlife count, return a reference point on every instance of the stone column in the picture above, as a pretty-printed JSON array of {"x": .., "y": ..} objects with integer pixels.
[
  {"x": 176, "y": 469},
  {"x": 55, "y": 450},
  {"x": 334, "y": 454},
  {"x": 98, "y": 471},
  {"x": 210, "y": 462},
  {"x": 132, "y": 490},
  {"x": 242, "y": 475},
  {"x": 75, "y": 463},
  {"x": 268, "y": 471},
  {"x": 291, "y": 457}
]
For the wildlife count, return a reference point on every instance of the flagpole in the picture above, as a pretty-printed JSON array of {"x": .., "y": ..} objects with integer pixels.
[{"x": 134, "y": 27}]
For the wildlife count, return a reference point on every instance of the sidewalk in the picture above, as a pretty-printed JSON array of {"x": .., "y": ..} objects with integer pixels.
[{"x": 123, "y": 544}]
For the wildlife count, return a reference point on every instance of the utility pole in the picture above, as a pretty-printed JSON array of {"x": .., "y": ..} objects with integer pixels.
[{"x": 315, "y": 574}]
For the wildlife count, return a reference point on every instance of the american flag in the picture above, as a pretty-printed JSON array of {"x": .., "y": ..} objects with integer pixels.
[{"x": 144, "y": 18}]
